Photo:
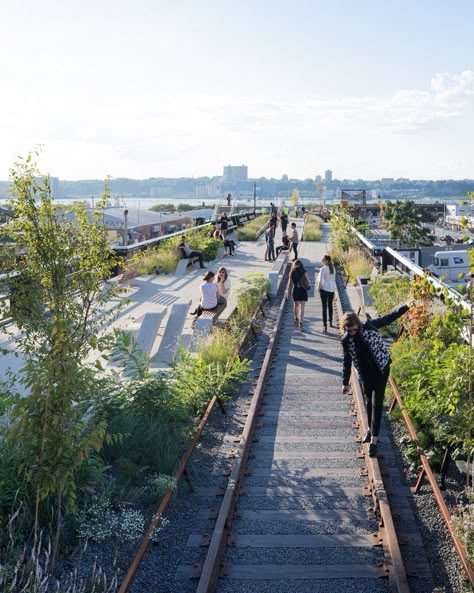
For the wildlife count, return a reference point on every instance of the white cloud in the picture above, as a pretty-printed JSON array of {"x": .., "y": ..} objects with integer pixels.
[
  {"x": 144, "y": 134},
  {"x": 412, "y": 110}
]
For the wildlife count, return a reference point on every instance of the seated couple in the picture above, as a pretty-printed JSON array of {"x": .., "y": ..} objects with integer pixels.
[{"x": 215, "y": 291}]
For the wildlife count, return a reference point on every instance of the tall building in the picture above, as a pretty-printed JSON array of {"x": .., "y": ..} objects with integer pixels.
[
  {"x": 328, "y": 176},
  {"x": 235, "y": 174}
]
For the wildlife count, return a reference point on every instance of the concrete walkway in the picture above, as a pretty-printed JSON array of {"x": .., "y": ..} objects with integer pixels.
[{"x": 152, "y": 294}]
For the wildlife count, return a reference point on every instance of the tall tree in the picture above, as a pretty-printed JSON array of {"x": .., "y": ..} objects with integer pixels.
[
  {"x": 295, "y": 197},
  {"x": 58, "y": 298},
  {"x": 404, "y": 221}
]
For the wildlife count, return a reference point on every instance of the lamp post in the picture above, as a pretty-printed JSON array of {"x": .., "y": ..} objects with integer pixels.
[
  {"x": 254, "y": 197},
  {"x": 125, "y": 235}
]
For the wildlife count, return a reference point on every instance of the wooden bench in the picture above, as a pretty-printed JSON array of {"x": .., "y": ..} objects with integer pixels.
[
  {"x": 129, "y": 273},
  {"x": 183, "y": 262},
  {"x": 203, "y": 325},
  {"x": 276, "y": 272}
]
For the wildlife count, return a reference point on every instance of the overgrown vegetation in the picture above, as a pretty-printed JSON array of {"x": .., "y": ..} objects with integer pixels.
[
  {"x": 164, "y": 255},
  {"x": 251, "y": 228},
  {"x": 388, "y": 291},
  {"x": 463, "y": 524},
  {"x": 181, "y": 207},
  {"x": 313, "y": 228},
  {"x": 84, "y": 454},
  {"x": 250, "y": 292},
  {"x": 345, "y": 246},
  {"x": 431, "y": 368}
]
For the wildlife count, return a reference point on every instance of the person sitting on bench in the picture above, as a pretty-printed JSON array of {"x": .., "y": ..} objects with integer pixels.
[
  {"x": 285, "y": 246},
  {"x": 188, "y": 252},
  {"x": 209, "y": 295},
  {"x": 223, "y": 287},
  {"x": 229, "y": 244}
]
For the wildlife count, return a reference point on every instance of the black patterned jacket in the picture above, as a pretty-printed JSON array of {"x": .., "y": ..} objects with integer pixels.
[{"x": 376, "y": 345}]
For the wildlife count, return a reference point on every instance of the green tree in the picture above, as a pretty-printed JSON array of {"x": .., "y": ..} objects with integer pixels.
[
  {"x": 163, "y": 208},
  {"x": 59, "y": 294},
  {"x": 295, "y": 197},
  {"x": 404, "y": 220}
]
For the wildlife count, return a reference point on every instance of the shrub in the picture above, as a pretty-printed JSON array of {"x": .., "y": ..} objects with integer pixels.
[
  {"x": 195, "y": 381},
  {"x": 433, "y": 379},
  {"x": 250, "y": 292},
  {"x": 389, "y": 291},
  {"x": 165, "y": 259},
  {"x": 250, "y": 230},
  {"x": 463, "y": 523},
  {"x": 342, "y": 239},
  {"x": 356, "y": 263},
  {"x": 219, "y": 346},
  {"x": 164, "y": 254},
  {"x": 312, "y": 228}
]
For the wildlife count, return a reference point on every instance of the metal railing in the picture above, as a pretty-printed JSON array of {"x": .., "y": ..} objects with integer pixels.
[{"x": 127, "y": 250}]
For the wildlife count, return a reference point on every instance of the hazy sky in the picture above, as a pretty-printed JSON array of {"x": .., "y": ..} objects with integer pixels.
[{"x": 149, "y": 88}]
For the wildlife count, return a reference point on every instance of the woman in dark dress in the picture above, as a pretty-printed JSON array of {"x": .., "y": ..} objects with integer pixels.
[{"x": 299, "y": 281}]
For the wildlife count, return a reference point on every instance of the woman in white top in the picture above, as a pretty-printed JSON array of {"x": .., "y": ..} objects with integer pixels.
[
  {"x": 209, "y": 295},
  {"x": 327, "y": 287},
  {"x": 223, "y": 286}
]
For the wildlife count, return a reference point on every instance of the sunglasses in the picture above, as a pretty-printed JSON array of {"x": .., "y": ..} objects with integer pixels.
[{"x": 352, "y": 330}]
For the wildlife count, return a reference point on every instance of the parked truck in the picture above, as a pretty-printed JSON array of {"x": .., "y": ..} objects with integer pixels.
[{"x": 451, "y": 266}]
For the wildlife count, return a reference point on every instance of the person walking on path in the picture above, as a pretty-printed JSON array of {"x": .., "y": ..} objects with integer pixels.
[
  {"x": 188, "y": 252},
  {"x": 363, "y": 347},
  {"x": 294, "y": 240},
  {"x": 327, "y": 287},
  {"x": 299, "y": 281},
  {"x": 283, "y": 221}
]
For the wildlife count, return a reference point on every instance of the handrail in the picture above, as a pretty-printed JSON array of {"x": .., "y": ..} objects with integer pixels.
[
  {"x": 261, "y": 230},
  {"x": 156, "y": 520},
  {"x": 434, "y": 485},
  {"x": 149, "y": 242},
  {"x": 416, "y": 270}
]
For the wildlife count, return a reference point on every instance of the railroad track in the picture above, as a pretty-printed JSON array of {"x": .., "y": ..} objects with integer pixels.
[{"x": 304, "y": 508}]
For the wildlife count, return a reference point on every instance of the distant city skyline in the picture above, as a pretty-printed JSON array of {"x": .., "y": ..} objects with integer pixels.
[{"x": 154, "y": 89}]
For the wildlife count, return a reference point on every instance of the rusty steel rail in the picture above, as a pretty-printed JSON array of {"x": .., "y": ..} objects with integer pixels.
[
  {"x": 428, "y": 473},
  {"x": 156, "y": 520},
  {"x": 212, "y": 565},
  {"x": 394, "y": 565}
]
